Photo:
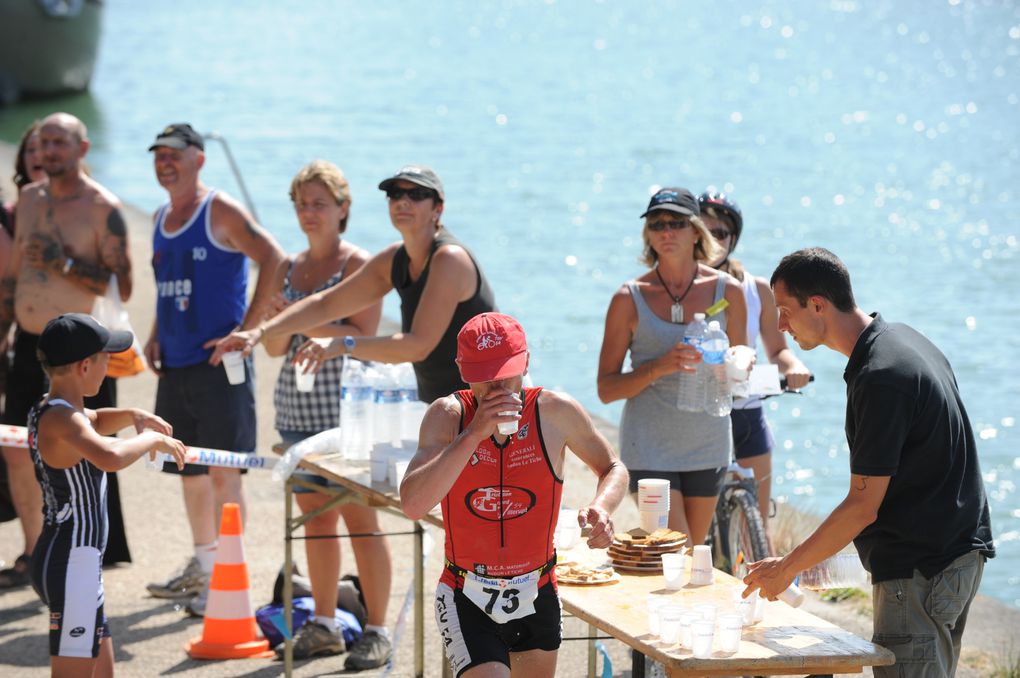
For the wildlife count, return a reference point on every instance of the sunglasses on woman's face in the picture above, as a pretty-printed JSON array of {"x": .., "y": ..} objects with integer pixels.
[
  {"x": 417, "y": 194},
  {"x": 720, "y": 233},
  {"x": 671, "y": 224}
]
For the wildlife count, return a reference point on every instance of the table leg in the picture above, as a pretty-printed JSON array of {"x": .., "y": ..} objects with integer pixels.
[
  {"x": 592, "y": 652},
  {"x": 637, "y": 664},
  {"x": 419, "y": 601},
  {"x": 288, "y": 588}
]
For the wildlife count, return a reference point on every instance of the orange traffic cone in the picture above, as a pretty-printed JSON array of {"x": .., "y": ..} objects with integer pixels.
[{"x": 229, "y": 630}]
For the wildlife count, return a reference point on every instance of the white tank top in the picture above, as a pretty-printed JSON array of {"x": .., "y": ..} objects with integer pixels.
[{"x": 753, "y": 300}]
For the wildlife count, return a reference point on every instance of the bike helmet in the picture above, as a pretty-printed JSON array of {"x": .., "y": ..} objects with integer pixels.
[{"x": 721, "y": 203}]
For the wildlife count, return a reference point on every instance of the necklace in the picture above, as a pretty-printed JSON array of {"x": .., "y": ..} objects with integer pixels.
[{"x": 676, "y": 311}]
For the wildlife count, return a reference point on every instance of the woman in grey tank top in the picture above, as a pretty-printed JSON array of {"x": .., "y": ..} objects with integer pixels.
[{"x": 647, "y": 317}]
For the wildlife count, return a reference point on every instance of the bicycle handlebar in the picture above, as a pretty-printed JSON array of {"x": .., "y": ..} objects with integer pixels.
[{"x": 782, "y": 384}]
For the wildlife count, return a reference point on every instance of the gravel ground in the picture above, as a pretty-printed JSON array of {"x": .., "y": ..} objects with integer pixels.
[{"x": 150, "y": 634}]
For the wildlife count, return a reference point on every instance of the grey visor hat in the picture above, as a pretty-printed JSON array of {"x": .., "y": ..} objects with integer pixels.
[{"x": 416, "y": 174}]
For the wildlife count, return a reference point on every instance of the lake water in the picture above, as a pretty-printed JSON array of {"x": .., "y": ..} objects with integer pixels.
[{"x": 885, "y": 134}]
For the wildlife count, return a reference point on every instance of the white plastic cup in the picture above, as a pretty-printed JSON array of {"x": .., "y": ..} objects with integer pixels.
[
  {"x": 702, "y": 634},
  {"x": 400, "y": 469},
  {"x": 673, "y": 565},
  {"x": 303, "y": 381},
  {"x": 745, "y": 606},
  {"x": 567, "y": 535},
  {"x": 729, "y": 627},
  {"x": 655, "y": 605},
  {"x": 701, "y": 566},
  {"x": 157, "y": 463},
  {"x": 650, "y": 521},
  {"x": 378, "y": 470},
  {"x": 233, "y": 363},
  {"x": 687, "y": 619},
  {"x": 669, "y": 624},
  {"x": 708, "y": 611},
  {"x": 507, "y": 428},
  {"x": 759, "y": 608},
  {"x": 379, "y": 460},
  {"x": 653, "y": 494}
]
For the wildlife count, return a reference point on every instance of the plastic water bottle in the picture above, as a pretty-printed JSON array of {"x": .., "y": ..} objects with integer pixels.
[
  {"x": 718, "y": 401},
  {"x": 691, "y": 395},
  {"x": 841, "y": 571},
  {"x": 327, "y": 441},
  {"x": 412, "y": 409},
  {"x": 387, "y": 411},
  {"x": 355, "y": 410}
]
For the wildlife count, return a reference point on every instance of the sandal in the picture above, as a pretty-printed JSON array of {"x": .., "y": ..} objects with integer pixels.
[{"x": 19, "y": 575}]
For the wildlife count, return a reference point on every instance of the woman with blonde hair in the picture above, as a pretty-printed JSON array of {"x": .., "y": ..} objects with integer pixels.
[{"x": 648, "y": 317}]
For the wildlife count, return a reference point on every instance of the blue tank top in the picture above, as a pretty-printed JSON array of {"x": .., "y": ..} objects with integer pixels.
[
  {"x": 74, "y": 499},
  {"x": 201, "y": 287}
]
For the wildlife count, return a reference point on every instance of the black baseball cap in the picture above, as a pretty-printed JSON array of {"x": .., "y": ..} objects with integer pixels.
[
  {"x": 71, "y": 337},
  {"x": 416, "y": 174},
  {"x": 179, "y": 135},
  {"x": 678, "y": 200}
]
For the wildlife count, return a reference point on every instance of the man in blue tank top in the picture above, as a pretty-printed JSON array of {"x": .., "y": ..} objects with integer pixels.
[{"x": 202, "y": 242}]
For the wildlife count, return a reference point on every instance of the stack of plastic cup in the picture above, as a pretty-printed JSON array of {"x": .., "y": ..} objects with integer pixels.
[{"x": 653, "y": 503}]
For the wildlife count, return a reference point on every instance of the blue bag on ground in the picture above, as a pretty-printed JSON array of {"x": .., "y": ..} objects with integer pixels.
[{"x": 304, "y": 609}]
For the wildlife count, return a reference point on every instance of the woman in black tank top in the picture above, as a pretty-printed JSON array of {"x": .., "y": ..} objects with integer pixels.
[{"x": 439, "y": 282}]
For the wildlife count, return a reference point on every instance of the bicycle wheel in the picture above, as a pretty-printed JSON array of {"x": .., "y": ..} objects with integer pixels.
[{"x": 743, "y": 533}]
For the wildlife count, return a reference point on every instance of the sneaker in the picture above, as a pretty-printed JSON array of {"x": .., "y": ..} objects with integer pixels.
[
  {"x": 196, "y": 606},
  {"x": 315, "y": 640},
  {"x": 372, "y": 651},
  {"x": 187, "y": 583},
  {"x": 19, "y": 575}
]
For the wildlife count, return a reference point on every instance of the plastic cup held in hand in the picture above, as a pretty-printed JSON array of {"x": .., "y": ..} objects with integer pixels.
[
  {"x": 701, "y": 566},
  {"x": 233, "y": 363},
  {"x": 157, "y": 463},
  {"x": 729, "y": 626},
  {"x": 673, "y": 565},
  {"x": 702, "y": 634},
  {"x": 507, "y": 428},
  {"x": 303, "y": 381}
]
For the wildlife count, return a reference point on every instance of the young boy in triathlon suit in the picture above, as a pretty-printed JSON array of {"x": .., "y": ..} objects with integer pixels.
[
  {"x": 71, "y": 456},
  {"x": 497, "y": 605}
]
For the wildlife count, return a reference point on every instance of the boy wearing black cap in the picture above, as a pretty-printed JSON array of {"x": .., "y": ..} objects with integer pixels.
[{"x": 71, "y": 456}]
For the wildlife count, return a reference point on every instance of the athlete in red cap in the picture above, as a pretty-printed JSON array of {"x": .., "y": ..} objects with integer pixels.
[{"x": 497, "y": 598}]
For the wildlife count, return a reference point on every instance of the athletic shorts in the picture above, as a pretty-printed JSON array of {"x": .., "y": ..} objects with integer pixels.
[
  {"x": 705, "y": 483},
  {"x": 752, "y": 436},
  {"x": 207, "y": 411},
  {"x": 70, "y": 581},
  {"x": 471, "y": 637},
  {"x": 292, "y": 438},
  {"x": 27, "y": 383}
]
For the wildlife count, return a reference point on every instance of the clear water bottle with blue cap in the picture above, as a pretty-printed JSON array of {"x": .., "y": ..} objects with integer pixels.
[
  {"x": 691, "y": 394},
  {"x": 718, "y": 401}
]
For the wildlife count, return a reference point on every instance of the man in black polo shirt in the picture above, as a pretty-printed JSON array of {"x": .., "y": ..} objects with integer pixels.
[{"x": 916, "y": 508}]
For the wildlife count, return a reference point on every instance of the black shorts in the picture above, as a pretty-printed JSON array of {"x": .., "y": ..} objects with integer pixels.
[
  {"x": 27, "y": 383},
  {"x": 207, "y": 411},
  {"x": 471, "y": 637},
  {"x": 705, "y": 483},
  {"x": 752, "y": 436},
  {"x": 69, "y": 580}
]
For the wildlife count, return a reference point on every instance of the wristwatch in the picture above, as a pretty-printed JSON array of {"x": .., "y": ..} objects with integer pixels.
[
  {"x": 68, "y": 263},
  {"x": 349, "y": 344}
]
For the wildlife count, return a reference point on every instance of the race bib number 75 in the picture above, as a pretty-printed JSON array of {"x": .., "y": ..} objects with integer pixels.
[{"x": 503, "y": 599}]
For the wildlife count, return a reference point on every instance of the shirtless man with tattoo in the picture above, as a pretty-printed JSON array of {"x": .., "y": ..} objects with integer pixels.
[
  {"x": 202, "y": 243},
  {"x": 71, "y": 237}
]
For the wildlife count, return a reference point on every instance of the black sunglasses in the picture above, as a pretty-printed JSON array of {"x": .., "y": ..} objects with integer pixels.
[
  {"x": 417, "y": 194},
  {"x": 720, "y": 233},
  {"x": 671, "y": 224}
]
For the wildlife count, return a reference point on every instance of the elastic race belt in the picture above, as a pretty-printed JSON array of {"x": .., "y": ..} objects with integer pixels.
[{"x": 460, "y": 572}]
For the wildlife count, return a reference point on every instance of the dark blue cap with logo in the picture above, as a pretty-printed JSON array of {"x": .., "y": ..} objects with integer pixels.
[{"x": 678, "y": 200}]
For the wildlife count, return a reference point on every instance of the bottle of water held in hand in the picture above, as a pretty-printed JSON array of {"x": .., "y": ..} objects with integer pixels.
[
  {"x": 691, "y": 395},
  {"x": 841, "y": 571},
  {"x": 355, "y": 410},
  {"x": 718, "y": 401}
]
